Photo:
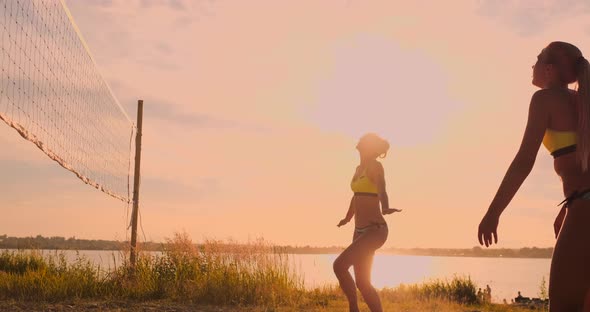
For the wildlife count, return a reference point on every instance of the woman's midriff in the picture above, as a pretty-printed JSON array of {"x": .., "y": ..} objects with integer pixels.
[
  {"x": 367, "y": 211},
  {"x": 570, "y": 274},
  {"x": 568, "y": 169}
]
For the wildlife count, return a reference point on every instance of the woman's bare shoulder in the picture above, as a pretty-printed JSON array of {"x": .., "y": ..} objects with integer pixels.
[{"x": 375, "y": 167}]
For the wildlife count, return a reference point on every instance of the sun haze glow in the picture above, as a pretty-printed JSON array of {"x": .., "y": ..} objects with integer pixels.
[{"x": 253, "y": 109}]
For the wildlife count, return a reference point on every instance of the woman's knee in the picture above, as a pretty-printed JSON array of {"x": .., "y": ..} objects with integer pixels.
[
  {"x": 364, "y": 285},
  {"x": 340, "y": 266}
]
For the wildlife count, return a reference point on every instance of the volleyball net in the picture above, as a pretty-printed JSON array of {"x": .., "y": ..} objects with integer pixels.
[{"x": 53, "y": 94}]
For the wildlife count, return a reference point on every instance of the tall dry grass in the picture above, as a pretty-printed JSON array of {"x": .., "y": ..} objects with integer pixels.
[{"x": 215, "y": 272}]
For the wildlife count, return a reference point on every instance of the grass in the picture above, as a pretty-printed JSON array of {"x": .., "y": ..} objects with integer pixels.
[
  {"x": 214, "y": 274},
  {"x": 218, "y": 274}
]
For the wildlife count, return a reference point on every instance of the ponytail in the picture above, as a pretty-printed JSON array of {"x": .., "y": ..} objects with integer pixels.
[{"x": 583, "y": 104}]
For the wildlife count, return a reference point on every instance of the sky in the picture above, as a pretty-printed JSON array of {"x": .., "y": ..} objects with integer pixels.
[{"x": 253, "y": 109}]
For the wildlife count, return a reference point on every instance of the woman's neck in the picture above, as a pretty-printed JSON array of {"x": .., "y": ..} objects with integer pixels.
[
  {"x": 366, "y": 160},
  {"x": 556, "y": 85}
]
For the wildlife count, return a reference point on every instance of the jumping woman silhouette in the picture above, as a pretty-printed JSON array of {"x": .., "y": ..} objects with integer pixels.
[{"x": 370, "y": 233}]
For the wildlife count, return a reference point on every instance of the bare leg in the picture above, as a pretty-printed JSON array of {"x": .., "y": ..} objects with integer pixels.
[
  {"x": 346, "y": 282},
  {"x": 341, "y": 265},
  {"x": 587, "y": 301},
  {"x": 569, "y": 279},
  {"x": 362, "y": 274},
  {"x": 363, "y": 245}
]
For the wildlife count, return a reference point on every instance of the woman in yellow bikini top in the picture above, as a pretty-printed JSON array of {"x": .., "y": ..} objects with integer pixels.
[
  {"x": 559, "y": 143},
  {"x": 362, "y": 186},
  {"x": 556, "y": 106},
  {"x": 370, "y": 233}
]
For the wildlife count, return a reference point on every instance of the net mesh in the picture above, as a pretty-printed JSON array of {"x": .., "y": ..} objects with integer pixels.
[{"x": 53, "y": 94}]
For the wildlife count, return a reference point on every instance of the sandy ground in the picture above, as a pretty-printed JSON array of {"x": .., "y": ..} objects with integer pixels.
[
  {"x": 339, "y": 306},
  {"x": 113, "y": 306}
]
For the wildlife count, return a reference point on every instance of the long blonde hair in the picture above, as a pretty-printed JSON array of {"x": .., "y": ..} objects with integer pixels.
[{"x": 573, "y": 67}]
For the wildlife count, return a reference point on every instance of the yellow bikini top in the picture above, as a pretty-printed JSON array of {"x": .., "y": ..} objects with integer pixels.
[
  {"x": 560, "y": 142},
  {"x": 362, "y": 184}
]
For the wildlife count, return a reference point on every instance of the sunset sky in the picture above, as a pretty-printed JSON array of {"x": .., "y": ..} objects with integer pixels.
[{"x": 253, "y": 109}]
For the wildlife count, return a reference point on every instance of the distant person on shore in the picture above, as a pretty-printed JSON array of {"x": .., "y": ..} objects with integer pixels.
[
  {"x": 370, "y": 232},
  {"x": 488, "y": 293},
  {"x": 521, "y": 299},
  {"x": 560, "y": 119}
]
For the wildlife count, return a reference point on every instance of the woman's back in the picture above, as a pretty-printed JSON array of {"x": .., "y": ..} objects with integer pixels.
[{"x": 562, "y": 124}]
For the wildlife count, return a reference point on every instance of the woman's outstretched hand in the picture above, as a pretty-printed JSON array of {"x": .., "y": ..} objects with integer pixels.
[
  {"x": 488, "y": 228},
  {"x": 342, "y": 222},
  {"x": 389, "y": 211}
]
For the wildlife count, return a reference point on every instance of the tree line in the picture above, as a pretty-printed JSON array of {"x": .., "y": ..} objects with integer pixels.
[{"x": 73, "y": 243}]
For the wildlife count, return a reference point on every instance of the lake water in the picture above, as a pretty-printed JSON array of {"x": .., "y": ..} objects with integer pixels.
[{"x": 505, "y": 276}]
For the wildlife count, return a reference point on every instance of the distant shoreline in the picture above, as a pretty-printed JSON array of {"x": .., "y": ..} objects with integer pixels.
[{"x": 72, "y": 243}]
